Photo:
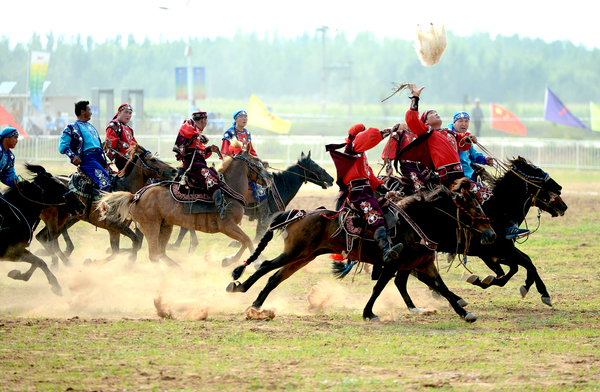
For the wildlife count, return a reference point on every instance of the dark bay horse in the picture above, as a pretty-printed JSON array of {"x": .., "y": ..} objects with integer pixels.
[
  {"x": 435, "y": 217},
  {"x": 156, "y": 212},
  {"x": 523, "y": 186},
  {"x": 20, "y": 211},
  {"x": 286, "y": 183},
  {"x": 141, "y": 166}
]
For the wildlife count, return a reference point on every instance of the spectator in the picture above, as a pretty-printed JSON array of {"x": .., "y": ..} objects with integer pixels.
[{"x": 477, "y": 114}]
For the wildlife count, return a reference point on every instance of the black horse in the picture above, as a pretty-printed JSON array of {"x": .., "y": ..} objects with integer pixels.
[
  {"x": 433, "y": 217},
  {"x": 21, "y": 209},
  {"x": 523, "y": 186},
  {"x": 286, "y": 183}
]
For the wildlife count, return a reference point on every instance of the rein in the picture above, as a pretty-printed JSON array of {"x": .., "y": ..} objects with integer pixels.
[
  {"x": 457, "y": 218},
  {"x": 316, "y": 181},
  {"x": 42, "y": 203}
]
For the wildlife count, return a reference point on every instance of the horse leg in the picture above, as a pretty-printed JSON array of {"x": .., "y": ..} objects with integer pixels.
[
  {"x": 163, "y": 240},
  {"x": 532, "y": 277},
  {"x": 43, "y": 237},
  {"x": 63, "y": 231},
  {"x": 487, "y": 281},
  {"x": 400, "y": 282},
  {"x": 384, "y": 278},
  {"x": 422, "y": 278},
  {"x": 193, "y": 242},
  {"x": 234, "y": 231},
  {"x": 26, "y": 256},
  {"x": 432, "y": 278},
  {"x": 177, "y": 244},
  {"x": 278, "y": 277}
]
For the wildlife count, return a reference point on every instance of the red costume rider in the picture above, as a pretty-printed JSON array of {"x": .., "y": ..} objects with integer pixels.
[{"x": 119, "y": 136}]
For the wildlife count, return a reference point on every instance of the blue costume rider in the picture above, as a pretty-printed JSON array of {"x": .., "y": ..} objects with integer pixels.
[
  {"x": 8, "y": 139},
  {"x": 81, "y": 143}
]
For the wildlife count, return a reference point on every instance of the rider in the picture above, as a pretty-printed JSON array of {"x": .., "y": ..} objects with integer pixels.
[
  {"x": 81, "y": 143},
  {"x": 460, "y": 123},
  {"x": 239, "y": 132},
  {"x": 119, "y": 136},
  {"x": 190, "y": 147},
  {"x": 443, "y": 148},
  {"x": 9, "y": 137},
  {"x": 358, "y": 183}
]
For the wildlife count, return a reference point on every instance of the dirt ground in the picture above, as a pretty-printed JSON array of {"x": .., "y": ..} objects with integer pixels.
[{"x": 98, "y": 297}]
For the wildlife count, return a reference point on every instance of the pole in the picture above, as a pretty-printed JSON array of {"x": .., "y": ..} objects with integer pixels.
[
  {"x": 188, "y": 54},
  {"x": 323, "y": 29}
]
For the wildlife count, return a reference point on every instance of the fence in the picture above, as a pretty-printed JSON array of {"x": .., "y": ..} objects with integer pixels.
[{"x": 285, "y": 150}]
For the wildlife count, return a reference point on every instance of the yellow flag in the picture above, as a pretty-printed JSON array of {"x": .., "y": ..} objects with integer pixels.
[
  {"x": 260, "y": 116},
  {"x": 595, "y": 109}
]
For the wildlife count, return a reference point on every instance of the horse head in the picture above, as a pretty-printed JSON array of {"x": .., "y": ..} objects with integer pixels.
[
  {"x": 313, "y": 172},
  {"x": 51, "y": 191},
  {"x": 469, "y": 212},
  {"x": 545, "y": 191},
  {"x": 151, "y": 166},
  {"x": 257, "y": 172}
]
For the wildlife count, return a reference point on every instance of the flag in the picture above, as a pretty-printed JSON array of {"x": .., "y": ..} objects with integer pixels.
[
  {"x": 505, "y": 121},
  {"x": 260, "y": 116},
  {"x": 595, "y": 115},
  {"x": 181, "y": 91},
  {"x": 558, "y": 113},
  {"x": 37, "y": 76},
  {"x": 6, "y": 119}
]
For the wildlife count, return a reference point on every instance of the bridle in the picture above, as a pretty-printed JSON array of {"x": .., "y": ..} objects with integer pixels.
[
  {"x": 536, "y": 182},
  {"x": 462, "y": 225},
  {"x": 318, "y": 180},
  {"x": 257, "y": 168}
]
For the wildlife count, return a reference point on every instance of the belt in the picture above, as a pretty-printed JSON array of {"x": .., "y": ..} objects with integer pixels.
[{"x": 92, "y": 151}]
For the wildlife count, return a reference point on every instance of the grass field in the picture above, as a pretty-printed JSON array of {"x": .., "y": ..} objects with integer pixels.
[{"x": 104, "y": 334}]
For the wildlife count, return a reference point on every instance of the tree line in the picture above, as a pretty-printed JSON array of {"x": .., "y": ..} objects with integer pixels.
[{"x": 494, "y": 69}]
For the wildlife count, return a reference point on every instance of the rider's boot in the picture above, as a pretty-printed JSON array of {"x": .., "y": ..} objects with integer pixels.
[
  {"x": 223, "y": 208},
  {"x": 263, "y": 212},
  {"x": 513, "y": 231},
  {"x": 389, "y": 252}
]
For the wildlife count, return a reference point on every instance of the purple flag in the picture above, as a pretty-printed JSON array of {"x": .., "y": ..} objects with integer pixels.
[{"x": 558, "y": 113}]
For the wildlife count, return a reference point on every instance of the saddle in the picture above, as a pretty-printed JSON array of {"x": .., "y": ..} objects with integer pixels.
[
  {"x": 83, "y": 185},
  {"x": 354, "y": 224},
  {"x": 198, "y": 200}
]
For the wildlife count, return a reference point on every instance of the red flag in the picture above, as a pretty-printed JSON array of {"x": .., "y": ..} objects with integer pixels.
[
  {"x": 505, "y": 121},
  {"x": 7, "y": 119}
]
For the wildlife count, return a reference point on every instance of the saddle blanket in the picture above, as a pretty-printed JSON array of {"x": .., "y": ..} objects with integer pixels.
[{"x": 83, "y": 185}]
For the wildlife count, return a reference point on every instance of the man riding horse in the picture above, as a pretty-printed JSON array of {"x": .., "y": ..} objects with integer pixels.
[
  {"x": 9, "y": 138},
  {"x": 190, "y": 147},
  {"x": 358, "y": 183},
  {"x": 81, "y": 143},
  {"x": 443, "y": 146}
]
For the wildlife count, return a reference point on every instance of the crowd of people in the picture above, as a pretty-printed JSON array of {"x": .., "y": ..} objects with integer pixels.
[{"x": 422, "y": 145}]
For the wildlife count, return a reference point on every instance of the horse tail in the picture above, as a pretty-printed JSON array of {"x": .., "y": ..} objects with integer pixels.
[
  {"x": 238, "y": 271},
  {"x": 115, "y": 206},
  {"x": 341, "y": 269}
]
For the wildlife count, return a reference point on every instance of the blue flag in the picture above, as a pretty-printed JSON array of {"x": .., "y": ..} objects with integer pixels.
[{"x": 558, "y": 113}]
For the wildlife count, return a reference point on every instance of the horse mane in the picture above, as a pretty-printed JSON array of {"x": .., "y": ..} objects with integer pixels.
[
  {"x": 422, "y": 197},
  {"x": 133, "y": 151},
  {"x": 227, "y": 160}
]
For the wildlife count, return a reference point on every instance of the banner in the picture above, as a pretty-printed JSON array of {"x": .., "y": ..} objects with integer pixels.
[
  {"x": 558, "y": 113},
  {"x": 198, "y": 83},
  {"x": 505, "y": 121},
  {"x": 37, "y": 76},
  {"x": 260, "y": 116},
  {"x": 595, "y": 116}
]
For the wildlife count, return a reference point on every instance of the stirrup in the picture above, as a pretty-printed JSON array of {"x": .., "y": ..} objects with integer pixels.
[
  {"x": 514, "y": 232},
  {"x": 225, "y": 209}
]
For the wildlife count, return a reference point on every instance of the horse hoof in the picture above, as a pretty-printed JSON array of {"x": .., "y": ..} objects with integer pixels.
[
  {"x": 87, "y": 261},
  {"x": 14, "y": 274},
  {"x": 108, "y": 251},
  {"x": 462, "y": 302},
  {"x": 374, "y": 319},
  {"x": 488, "y": 280},
  {"x": 417, "y": 310},
  {"x": 227, "y": 261},
  {"x": 470, "y": 317},
  {"x": 523, "y": 290},
  {"x": 232, "y": 287},
  {"x": 472, "y": 279},
  {"x": 547, "y": 301},
  {"x": 57, "y": 290}
]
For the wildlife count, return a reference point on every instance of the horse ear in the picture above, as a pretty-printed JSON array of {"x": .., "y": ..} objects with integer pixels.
[
  {"x": 308, "y": 154},
  {"x": 248, "y": 146}
]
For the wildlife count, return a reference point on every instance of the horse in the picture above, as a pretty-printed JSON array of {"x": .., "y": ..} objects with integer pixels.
[
  {"x": 21, "y": 207},
  {"x": 156, "y": 212},
  {"x": 523, "y": 186},
  {"x": 286, "y": 185},
  {"x": 141, "y": 166},
  {"x": 427, "y": 218}
]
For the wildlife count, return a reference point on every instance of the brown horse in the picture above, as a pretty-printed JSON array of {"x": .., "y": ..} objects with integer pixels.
[
  {"x": 156, "y": 212},
  {"x": 436, "y": 216},
  {"x": 140, "y": 167},
  {"x": 20, "y": 210}
]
